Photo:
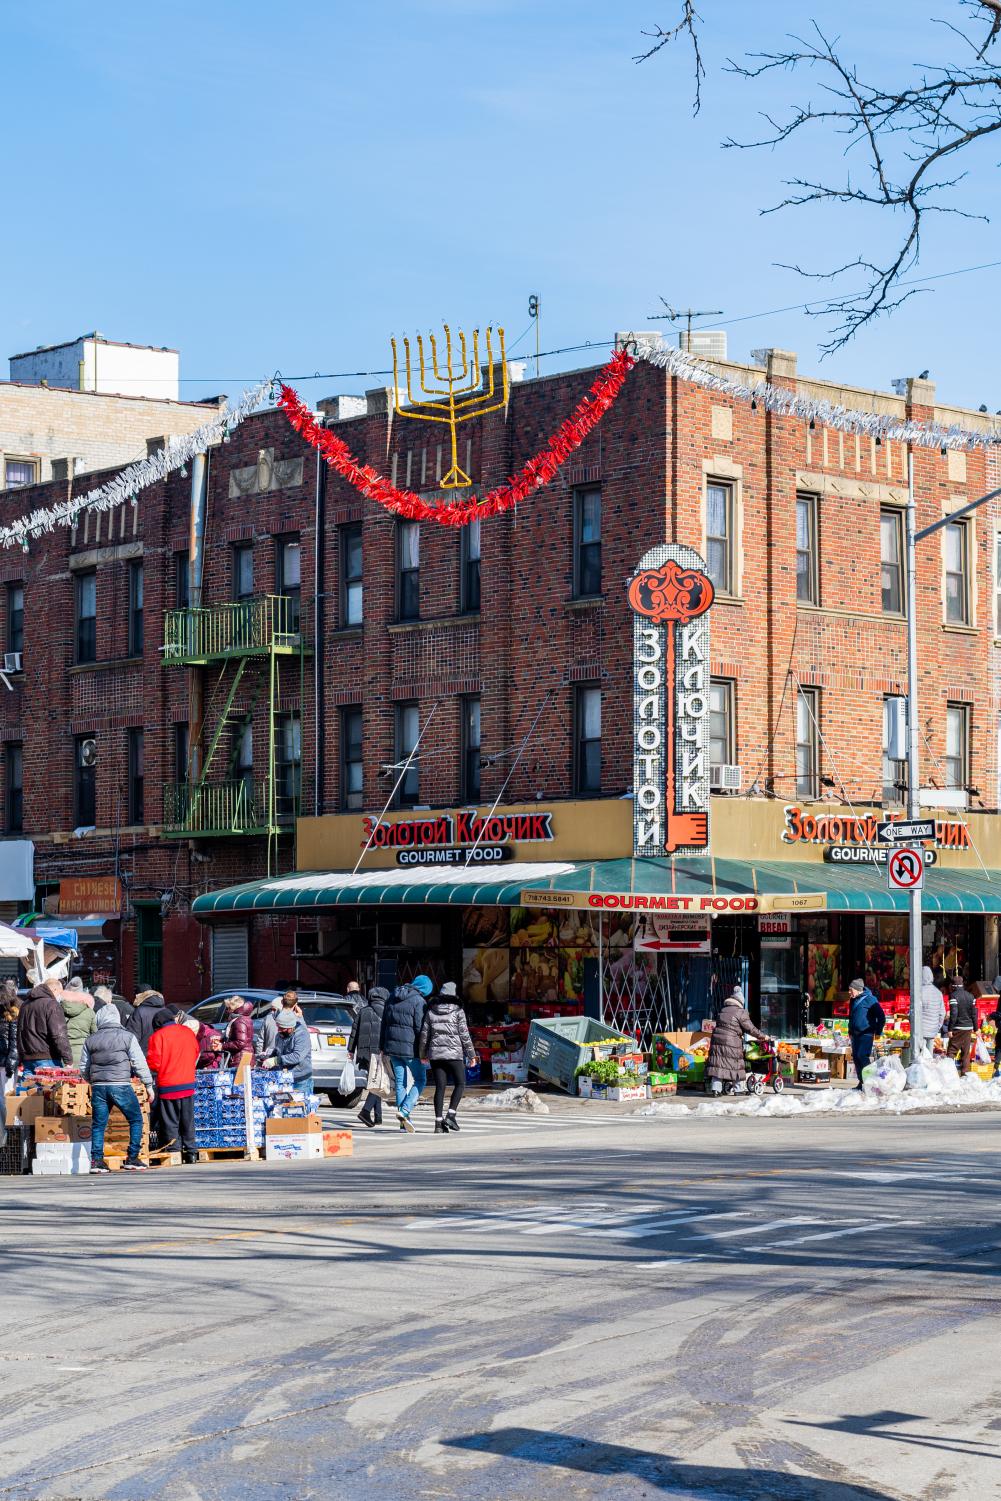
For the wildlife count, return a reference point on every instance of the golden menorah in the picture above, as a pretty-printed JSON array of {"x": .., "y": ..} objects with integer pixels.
[{"x": 461, "y": 387}]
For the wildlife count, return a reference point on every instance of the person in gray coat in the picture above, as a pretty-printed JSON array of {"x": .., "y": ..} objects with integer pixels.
[
  {"x": 110, "y": 1057},
  {"x": 294, "y": 1050},
  {"x": 366, "y": 1035},
  {"x": 932, "y": 1008},
  {"x": 445, "y": 1041},
  {"x": 725, "y": 1064}
]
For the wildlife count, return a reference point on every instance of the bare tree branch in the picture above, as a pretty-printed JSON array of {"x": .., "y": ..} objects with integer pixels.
[
  {"x": 687, "y": 26},
  {"x": 897, "y": 137}
]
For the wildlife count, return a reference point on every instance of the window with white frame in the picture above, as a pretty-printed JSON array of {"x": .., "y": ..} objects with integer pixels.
[
  {"x": 720, "y": 553},
  {"x": 956, "y": 547},
  {"x": 721, "y": 737},
  {"x": 891, "y": 561},
  {"x": 807, "y": 743},
  {"x": 894, "y": 748},
  {"x": 957, "y": 745},
  {"x": 807, "y": 571}
]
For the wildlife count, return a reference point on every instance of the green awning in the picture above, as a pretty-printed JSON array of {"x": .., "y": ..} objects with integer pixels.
[
  {"x": 443, "y": 886},
  {"x": 848, "y": 888}
]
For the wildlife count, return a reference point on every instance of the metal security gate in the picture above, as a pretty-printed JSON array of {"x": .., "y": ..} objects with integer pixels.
[
  {"x": 230, "y": 960},
  {"x": 644, "y": 993}
]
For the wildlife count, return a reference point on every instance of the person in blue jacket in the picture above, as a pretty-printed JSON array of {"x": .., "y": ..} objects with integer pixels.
[
  {"x": 866, "y": 1020},
  {"x": 294, "y": 1050}
]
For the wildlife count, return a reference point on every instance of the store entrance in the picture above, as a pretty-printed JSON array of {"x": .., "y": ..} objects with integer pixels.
[{"x": 783, "y": 975}]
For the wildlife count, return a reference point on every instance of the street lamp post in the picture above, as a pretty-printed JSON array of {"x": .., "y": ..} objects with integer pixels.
[{"x": 913, "y": 537}]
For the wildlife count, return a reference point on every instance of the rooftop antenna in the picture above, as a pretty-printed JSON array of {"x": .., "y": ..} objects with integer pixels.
[{"x": 673, "y": 315}]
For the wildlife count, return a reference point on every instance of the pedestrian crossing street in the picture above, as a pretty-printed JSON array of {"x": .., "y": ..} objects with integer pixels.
[
  {"x": 473, "y": 1122},
  {"x": 695, "y": 1232}
]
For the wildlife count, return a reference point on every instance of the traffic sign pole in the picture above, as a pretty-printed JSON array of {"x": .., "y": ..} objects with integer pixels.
[{"x": 913, "y": 748}]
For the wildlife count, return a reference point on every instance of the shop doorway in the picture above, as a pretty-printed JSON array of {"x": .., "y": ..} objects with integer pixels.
[
  {"x": 644, "y": 993},
  {"x": 782, "y": 998},
  {"x": 149, "y": 946}
]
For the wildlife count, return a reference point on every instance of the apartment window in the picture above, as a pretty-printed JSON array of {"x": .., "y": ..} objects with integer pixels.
[
  {"x": 471, "y": 750},
  {"x": 352, "y": 772},
  {"x": 807, "y": 587},
  {"x": 894, "y": 748},
  {"x": 587, "y": 542},
  {"x": 180, "y": 753},
  {"x": 19, "y": 472},
  {"x": 997, "y": 584},
  {"x": 588, "y": 748},
  {"x": 891, "y": 555},
  {"x": 807, "y": 743},
  {"x": 957, "y": 745},
  {"x": 13, "y": 788},
  {"x": 15, "y": 617},
  {"x": 182, "y": 580},
  {"x": 86, "y": 617},
  {"x": 352, "y": 595},
  {"x": 957, "y": 587},
  {"x": 243, "y": 759},
  {"x": 407, "y": 732},
  {"x": 288, "y": 579},
  {"x": 408, "y": 570},
  {"x": 136, "y": 776},
  {"x": 84, "y": 789},
  {"x": 288, "y": 765},
  {"x": 135, "y": 609},
  {"x": 719, "y": 536},
  {"x": 721, "y": 722},
  {"x": 243, "y": 572},
  {"x": 469, "y": 552}
]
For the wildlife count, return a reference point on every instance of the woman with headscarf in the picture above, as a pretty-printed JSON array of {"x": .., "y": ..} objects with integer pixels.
[{"x": 725, "y": 1064}]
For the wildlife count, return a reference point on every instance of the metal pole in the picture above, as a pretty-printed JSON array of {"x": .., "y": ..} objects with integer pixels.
[{"x": 913, "y": 746}]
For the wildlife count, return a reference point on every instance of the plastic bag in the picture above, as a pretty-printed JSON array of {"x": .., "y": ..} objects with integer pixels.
[
  {"x": 347, "y": 1084},
  {"x": 980, "y": 1052},
  {"x": 923, "y": 1074},
  {"x": 884, "y": 1078}
]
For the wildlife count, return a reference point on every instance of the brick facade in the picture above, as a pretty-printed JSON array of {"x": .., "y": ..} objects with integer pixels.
[{"x": 529, "y": 648}]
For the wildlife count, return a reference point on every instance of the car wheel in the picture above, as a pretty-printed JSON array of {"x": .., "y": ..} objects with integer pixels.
[{"x": 343, "y": 1101}]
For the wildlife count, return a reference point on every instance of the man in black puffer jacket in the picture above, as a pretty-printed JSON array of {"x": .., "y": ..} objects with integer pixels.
[
  {"x": 962, "y": 1025},
  {"x": 365, "y": 1039},
  {"x": 140, "y": 1023},
  {"x": 402, "y": 1020}
]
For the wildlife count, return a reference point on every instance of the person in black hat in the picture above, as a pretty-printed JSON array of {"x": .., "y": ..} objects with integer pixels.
[{"x": 445, "y": 1041}]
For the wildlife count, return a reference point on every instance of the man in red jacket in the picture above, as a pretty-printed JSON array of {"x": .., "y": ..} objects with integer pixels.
[{"x": 173, "y": 1058}]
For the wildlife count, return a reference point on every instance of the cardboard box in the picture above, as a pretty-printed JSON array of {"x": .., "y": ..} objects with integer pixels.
[
  {"x": 55, "y": 1157},
  {"x": 292, "y": 1139},
  {"x": 292, "y": 1125},
  {"x": 338, "y": 1144},
  {"x": 627, "y": 1092},
  {"x": 68, "y": 1128},
  {"x": 25, "y": 1108}
]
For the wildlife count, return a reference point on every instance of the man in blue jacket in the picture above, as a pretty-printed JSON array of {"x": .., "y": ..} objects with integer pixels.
[
  {"x": 866, "y": 1020},
  {"x": 402, "y": 1019},
  {"x": 293, "y": 1049}
]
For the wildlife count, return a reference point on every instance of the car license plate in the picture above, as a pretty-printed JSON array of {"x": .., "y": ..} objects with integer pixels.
[{"x": 335, "y": 1042}]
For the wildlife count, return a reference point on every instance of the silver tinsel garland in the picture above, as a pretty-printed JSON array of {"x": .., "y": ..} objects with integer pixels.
[
  {"x": 822, "y": 413},
  {"x": 125, "y": 486}
]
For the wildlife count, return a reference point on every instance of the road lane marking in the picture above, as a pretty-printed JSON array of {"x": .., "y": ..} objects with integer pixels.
[
  {"x": 801, "y": 1240},
  {"x": 799, "y": 1219}
]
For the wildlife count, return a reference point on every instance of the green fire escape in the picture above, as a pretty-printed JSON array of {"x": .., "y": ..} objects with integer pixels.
[{"x": 250, "y": 643}]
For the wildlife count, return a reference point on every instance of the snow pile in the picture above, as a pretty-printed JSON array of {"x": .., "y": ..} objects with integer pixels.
[
  {"x": 515, "y": 1099},
  {"x": 949, "y": 1092}
]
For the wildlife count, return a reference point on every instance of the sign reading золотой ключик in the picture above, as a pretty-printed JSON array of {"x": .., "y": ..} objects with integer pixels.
[{"x": 670, "y": 594}]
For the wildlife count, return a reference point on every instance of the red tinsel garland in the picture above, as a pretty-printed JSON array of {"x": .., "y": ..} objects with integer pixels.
[{"x": 537, "y": 472}]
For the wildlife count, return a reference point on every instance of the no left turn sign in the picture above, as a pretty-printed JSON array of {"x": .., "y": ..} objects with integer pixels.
[{"x": 905, "y": 869}]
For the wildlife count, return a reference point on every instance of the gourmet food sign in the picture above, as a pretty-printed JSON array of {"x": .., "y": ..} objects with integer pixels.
[
  {"x": 465, "y": 838},
  {"x": 670, "y": 594}
]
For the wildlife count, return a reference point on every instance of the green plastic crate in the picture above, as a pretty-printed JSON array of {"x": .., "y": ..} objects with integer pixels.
[{"x": 558, "y": 1046}]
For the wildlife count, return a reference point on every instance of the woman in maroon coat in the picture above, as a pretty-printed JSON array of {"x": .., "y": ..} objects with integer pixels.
[{"x": 239, "y": 1038}]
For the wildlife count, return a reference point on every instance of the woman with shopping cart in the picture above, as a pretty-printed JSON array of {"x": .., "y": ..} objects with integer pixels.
[{"x": 725, "y": 1071}]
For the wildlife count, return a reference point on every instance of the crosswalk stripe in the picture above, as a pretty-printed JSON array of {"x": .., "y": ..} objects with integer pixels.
[
  {"x": 799, "y": 1219},
  {"x": 801, "y": 1240}
]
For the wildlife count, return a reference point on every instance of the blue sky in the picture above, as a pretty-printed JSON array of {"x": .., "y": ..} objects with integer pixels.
[{"x": 269, "y": 186}]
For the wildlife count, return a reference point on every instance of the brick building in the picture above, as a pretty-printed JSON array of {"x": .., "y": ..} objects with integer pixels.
[{"x": 331, "y": 636}]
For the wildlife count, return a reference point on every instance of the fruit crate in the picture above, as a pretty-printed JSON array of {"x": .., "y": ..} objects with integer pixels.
[{"x": 557, "y": 1047}]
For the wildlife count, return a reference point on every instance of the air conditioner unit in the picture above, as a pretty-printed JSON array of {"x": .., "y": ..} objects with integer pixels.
[
  {"x": 12, "y": 661},
  {"x": 724, "y": 778}
]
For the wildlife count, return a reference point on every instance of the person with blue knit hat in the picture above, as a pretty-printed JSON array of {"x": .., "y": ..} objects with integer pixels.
[{"x": 402, "y": 1020}]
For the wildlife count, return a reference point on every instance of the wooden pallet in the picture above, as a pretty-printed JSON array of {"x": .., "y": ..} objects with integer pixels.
[
  {"x": 229, "y": 1154},
  {"x": 153, "y": 1159}
]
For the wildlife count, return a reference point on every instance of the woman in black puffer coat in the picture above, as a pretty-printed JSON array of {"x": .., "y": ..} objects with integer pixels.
[
  {"x": 446, "y": 1043},
  {"x": 364, "y": 1042}
]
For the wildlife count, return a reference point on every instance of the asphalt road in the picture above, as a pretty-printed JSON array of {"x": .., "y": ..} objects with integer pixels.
[{"x": 552, "y": 1307}]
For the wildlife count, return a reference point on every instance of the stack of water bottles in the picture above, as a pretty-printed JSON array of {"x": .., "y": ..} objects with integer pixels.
[{"x": 219, "y": 1105}]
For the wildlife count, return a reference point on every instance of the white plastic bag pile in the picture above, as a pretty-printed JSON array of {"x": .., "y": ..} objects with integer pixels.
[{"x": 514, "y": 1099}]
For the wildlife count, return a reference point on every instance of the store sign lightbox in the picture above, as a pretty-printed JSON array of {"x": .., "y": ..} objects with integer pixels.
[{"x": 670, "y": 594}]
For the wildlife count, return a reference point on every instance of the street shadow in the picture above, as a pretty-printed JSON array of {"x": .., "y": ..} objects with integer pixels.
[
  {"x": 885, "y": 1425},
  {"x": 660, "y": 1471}
]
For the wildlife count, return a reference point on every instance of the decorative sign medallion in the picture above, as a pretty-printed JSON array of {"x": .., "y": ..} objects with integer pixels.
[{"x": 670, "y": 594}]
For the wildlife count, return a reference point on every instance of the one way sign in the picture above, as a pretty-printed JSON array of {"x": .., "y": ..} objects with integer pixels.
[{"x": 903, "y": 831}]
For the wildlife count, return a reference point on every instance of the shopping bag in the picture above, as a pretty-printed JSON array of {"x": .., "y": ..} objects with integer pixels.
[
  {"x": 380, "y": 1080},
  {"x": 347, "y": 1084}
]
